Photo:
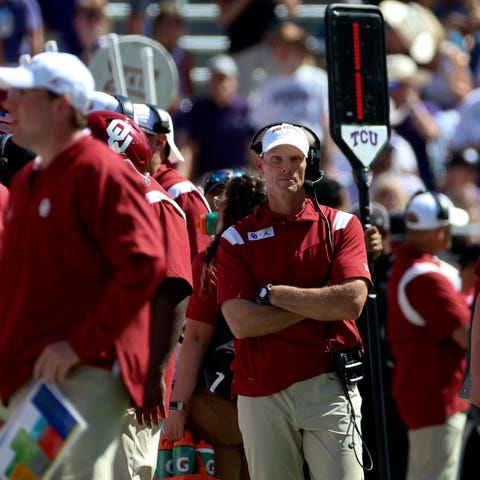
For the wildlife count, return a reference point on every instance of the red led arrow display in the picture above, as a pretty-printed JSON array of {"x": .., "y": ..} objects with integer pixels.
[{"x": 358, "y": 73}]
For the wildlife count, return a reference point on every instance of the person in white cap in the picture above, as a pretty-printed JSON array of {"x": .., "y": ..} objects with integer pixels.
[
  {"x": 137, "y": 457},
  {"x": 80, "y": 242},
  {"x": 158, "y": 126},
  {"x": 292, "y": 277},
  {"x": 427, "y": 328}
]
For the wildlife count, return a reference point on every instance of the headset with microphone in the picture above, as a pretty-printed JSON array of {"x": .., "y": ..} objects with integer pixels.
[
  {"x": 443, "y": 212},
  {"x": 163, "y": 124},
  {"x": 125, "y": 104},
  {"x": 313, "y": 173}
]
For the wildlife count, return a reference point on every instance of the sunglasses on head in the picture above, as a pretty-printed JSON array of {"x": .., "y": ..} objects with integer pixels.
[{"x": 220, "y": 177}]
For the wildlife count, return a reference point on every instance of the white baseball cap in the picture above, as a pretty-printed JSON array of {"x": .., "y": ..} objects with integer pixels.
[
  {"x": 156, "y": 120},
  {"x": 285, "y": 134},
  {"x": 430, "y": 210},
  {"x": 58, "y": 72},
  {"x": 104, "y": 101}
]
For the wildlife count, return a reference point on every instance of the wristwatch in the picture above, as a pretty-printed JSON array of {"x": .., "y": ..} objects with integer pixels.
[
  {"x": 263, "y": 294},
  {"x": 177, "y": 405}
]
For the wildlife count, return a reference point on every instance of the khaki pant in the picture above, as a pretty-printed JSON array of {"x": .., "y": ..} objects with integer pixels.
[
  {"x": 136, "y": 457},
  {"x": 101, "y": 399},
  {"x": 309, "y": 420},
  {"x": 214, "y": 419},
  {"x": 434, "y": 452}
]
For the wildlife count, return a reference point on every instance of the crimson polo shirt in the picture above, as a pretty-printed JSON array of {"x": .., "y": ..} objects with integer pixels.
[
  {"x": 174, "y": 242},
  {"x": 174, "y": 245},
  {"x": 429, "y": 365},
  {"x": 80, "y": 261},
  {"x": 266, "y": 247},
  {"x": 202, "y": 306},
  {"x": 190, "y": 200}
]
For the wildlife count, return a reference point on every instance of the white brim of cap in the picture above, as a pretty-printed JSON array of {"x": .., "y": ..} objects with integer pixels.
[
  {"x": 458, "y": 217},
  {"x": 175, "y": 155},
  {"x": 282, "y": 141},
  {"x": 18, "y": 77},
  {"x": 103, "y": 101}
]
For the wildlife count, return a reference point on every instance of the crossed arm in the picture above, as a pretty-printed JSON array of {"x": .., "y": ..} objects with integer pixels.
[{"x": 291, "y": 305}]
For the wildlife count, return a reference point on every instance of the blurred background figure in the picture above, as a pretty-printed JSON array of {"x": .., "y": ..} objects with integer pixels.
[
  {"x": 466, "y": 133},
  {"x": 298, "y": 90},
  {"x": 168, "y": 26},
  {"x": 246, "y": 23},
  {"x": 390, "y": 192},
  {"x": 89, "y": 24},
  {"x": 460, "y": 182},
  {"x": 136, "y": 17},
  {"x": 21, "y": 30},
  {"x": 398, "y": 159},
  {"x": 207, "y": 348},
  {"x": 413, "y": 118},
  {"x": 215, "y": 134},
  {"x": 75, "y": 25},
  {"x": 414, "y": 30},
  {"x": 57, "y": 18},
  {"x": 331, "y": 193}
]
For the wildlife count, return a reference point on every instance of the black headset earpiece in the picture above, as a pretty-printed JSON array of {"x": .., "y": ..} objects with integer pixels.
[
  {"x": 126, "y": 105},
  {"x": 163, "y": 124},
  {"x": 443, "y": 211},
  {"x": 313, "y": 172},
  {"x": 3, "y": 158}
]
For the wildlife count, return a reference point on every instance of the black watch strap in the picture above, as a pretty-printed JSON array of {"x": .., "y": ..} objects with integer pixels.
[
  {"x": 263, "y": 294},
  {"x": 177, "y": 405}
]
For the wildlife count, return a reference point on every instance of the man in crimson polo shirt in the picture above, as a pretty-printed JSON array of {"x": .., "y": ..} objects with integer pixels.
[
  {"x": 292, "y": 277},
  {"x": 140, "y": 436},
  {"x": 79, "y": 264},
  {"x": 427, "y": 327},
  {"x": 158, "y": 126}
]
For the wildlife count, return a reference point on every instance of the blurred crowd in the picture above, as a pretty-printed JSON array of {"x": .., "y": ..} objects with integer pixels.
[{"x": 274, "y": 70}]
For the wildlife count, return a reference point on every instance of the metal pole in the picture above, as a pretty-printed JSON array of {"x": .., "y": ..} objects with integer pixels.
[{"x": 373, "y": 338}]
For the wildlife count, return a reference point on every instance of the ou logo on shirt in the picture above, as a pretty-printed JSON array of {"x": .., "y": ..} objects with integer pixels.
[{"x": 119, "y": 137}]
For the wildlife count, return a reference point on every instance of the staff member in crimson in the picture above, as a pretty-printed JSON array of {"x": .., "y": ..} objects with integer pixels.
[
  {"x": 137, "y": 457},
  {"x": 81, "y": 243},
  {"x": 292, "y": 279},
  {"x": 158, "y": 127}
]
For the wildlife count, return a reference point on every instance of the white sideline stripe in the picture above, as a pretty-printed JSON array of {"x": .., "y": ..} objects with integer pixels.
[
  {"x": 156, "y": 196},
  {"x": 414, "y": 271},
  {"x": 232, "y": 236},
  {"x": 341, "y": 220},
  {"x": 186, "y": 187}
]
